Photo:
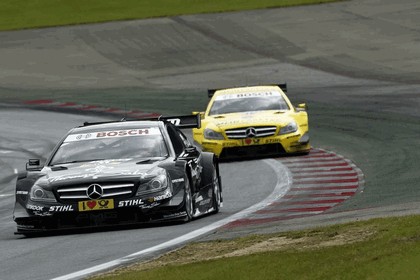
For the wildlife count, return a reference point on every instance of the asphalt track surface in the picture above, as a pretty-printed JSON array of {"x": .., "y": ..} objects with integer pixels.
[{"x": 355, "y": 63}]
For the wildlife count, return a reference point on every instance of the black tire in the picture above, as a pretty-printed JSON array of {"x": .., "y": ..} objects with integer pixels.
[{"x": 188, "y": 202}]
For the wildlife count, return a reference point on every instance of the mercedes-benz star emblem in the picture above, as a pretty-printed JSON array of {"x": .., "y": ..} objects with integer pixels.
[
  {"x": 94, "y": 191},
  {"x": 251, "y": 132}
]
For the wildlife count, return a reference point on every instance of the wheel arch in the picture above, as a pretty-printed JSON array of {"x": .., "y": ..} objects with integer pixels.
[{"x": 209, "y": 160}]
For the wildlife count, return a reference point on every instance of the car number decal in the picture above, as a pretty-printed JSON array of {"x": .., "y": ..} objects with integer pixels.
[{"x": 99, "y": 204}]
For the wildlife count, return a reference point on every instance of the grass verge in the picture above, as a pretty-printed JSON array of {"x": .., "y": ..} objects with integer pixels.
[
  {"x": 20, "y": 14},
  {"x": 387, "y": 248}
]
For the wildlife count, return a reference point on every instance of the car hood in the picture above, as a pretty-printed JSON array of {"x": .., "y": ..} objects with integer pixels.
[
  {"x": 260, "y": 118},
  {"x": 95, "y": 171}
]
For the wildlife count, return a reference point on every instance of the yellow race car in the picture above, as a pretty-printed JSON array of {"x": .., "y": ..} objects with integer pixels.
[{"x": 252, "y": 121}]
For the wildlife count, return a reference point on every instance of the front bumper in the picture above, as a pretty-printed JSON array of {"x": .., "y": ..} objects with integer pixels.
[
  {"x": 273, "y": 145},
  {"x": 34, "y": 217}
]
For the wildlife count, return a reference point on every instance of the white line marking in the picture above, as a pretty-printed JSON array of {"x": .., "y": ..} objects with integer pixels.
[
  {"x": 284, "y": 182},
  {"x": 5, "y": 195}
]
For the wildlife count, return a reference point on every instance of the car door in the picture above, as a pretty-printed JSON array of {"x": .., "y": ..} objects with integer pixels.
[{"x": 184, "y": 150}]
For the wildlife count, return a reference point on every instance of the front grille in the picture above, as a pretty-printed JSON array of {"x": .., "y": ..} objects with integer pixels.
[
  {"x": 244, "y": 132},
  {"x": 79, "y": 192}
]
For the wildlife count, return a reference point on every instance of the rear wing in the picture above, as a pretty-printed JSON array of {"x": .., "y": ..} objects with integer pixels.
[
  {"x": 283, "y": 87},
  {"x": 186, "y": 121}
]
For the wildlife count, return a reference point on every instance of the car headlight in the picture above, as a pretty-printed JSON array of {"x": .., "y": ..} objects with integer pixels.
[
  {"x": 289, "y": 128},
  {"x": 213, "y": 135},
  {"x": 40, "y": 194},
  {"x": 155, "y": 181}
]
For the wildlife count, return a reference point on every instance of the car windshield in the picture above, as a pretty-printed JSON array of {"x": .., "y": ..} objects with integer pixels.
[
  {"x": 113, "y": 144},
  {"x": 247, "y": 102}
]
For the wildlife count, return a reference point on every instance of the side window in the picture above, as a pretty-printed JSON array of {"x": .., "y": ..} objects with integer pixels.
[{"x": 176, "y": 140}]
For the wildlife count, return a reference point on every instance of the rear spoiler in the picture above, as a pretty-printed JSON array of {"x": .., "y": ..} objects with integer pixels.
[
  {"x": 283, "y": 87},
  {"x": 186, "y": 121}
]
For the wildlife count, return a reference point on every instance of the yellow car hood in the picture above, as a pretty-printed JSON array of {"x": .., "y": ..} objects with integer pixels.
[{"x": 262, "y": 118}]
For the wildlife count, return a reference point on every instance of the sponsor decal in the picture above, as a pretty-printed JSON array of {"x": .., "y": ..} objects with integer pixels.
[
  {"x": 229, "y": 144},
  {"x": 134, "y": 202},
  {"x": 178, "y": 180},
  {"x": 247, "y": 95},
  {"x": 160, "y": 197},
  {"x": 61, "y": 208},
  {"x": 55, "y": 208},
  {"x": 228, "y": 122},
  {"x": 270, "y": 141},
  {"x": 100, "y": 169},
  {"x": 174, "y": 215},
  {"x": 22, "y": 192},
  {"x": 70, "y": 177},
  {"x": 175, "y": 121},
  {"x": 95, "y": 175},
  {"x": 34, "y": 207},
  {"x": 104, "y": 162},
  {"x": 112, "y": 134},
  {"x": 251, "y": 141},
  {"x": 99, "y": 204},
  {"x": 119, "y": 133},
  {"x": 149, "y": 206},
  {"x": 42, "y": 214},
  {"x": 246, "y": 120}
]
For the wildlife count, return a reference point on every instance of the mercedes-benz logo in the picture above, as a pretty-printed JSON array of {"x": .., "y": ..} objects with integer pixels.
[
  {"x": 94, "y": 191},
  {"x": 250, "y": 132}
]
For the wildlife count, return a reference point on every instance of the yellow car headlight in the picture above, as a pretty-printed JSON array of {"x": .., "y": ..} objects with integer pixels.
[
  {"x": 289, "y": 128},
  {"x": 212, "y": 135}
]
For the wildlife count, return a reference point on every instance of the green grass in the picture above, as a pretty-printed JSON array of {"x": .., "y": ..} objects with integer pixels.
[
  {"x": 19, "y": 14},
  {"x": 386, "y": 248}
]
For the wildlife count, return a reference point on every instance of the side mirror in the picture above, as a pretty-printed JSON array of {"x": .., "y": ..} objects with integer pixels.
[
  {"x": 189, "y": 153},
  {"x": 191, "y": 150},
  {"x": 301, "y": 107},
  {"x": 199, "y": 113},
  {"x": 33, "y": 165}
]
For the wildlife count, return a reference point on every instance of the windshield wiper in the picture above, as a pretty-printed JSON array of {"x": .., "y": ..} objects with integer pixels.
[
  {"x": 57, "y": 168},
  {"x": 146, "y": 160}
]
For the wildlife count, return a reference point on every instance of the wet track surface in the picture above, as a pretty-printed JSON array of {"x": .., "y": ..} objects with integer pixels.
[{"x": 360, "y": 82}]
